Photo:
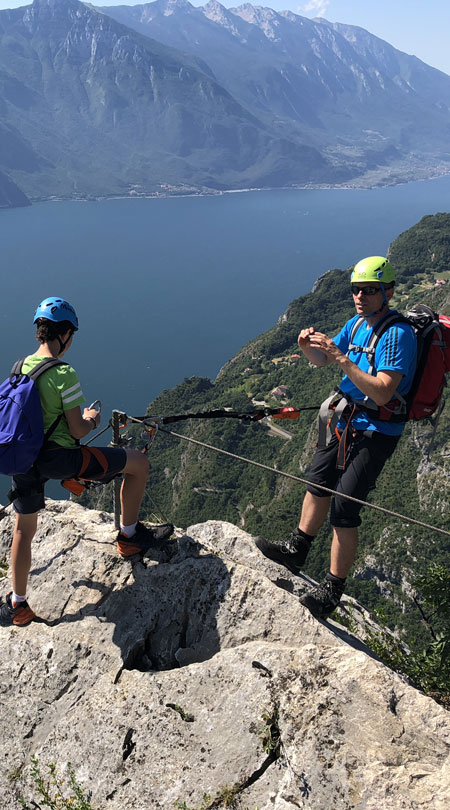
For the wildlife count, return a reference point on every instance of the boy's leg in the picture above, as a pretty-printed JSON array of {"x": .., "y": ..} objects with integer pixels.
[
  {"x": 24, "y": 531},
  {"x": 60, "y": 463},
  {"x": 104, "y": 464},
  {"x": 138, "y": 538},
  {"x": 18, "y": 612},
  {"x": 135, "y": 475}
]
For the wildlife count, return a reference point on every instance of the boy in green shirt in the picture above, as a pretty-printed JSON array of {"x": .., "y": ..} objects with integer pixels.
[{"x": 62, "y": 458}]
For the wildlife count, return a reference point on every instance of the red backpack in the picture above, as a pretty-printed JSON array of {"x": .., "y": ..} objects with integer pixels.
[{"x": 433, "y": 361}]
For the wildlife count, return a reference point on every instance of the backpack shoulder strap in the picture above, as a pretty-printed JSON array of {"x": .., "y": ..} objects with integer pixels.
[
  {"x": 45, "y": 365},
  {"x": 359, "y": 321},
  {"x": 35, "y": 373},
  {"x": 389, "y": 320},
  {"x": 16, "y": 369},
  {"x": 352, "y": 347}
]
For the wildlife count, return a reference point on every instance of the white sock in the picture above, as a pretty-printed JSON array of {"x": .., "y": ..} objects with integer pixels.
[
  {"x": 15, "y": 598},
  {"x": 128, "y": 531}
]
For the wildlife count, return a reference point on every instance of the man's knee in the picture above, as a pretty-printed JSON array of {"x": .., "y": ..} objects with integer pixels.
[
  {"x": 137, "y": 464},
  {"x": 315, "y": 506},
  {"x": 344, "y": 514}
]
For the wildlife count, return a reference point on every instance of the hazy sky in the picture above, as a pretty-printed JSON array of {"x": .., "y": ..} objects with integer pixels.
[{"x": 419, "y": 27}]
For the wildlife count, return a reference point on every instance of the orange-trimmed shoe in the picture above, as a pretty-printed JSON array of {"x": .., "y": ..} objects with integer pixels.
[
  {"x": 143, "y": 538},
  {"x": 19, "y": 615}
]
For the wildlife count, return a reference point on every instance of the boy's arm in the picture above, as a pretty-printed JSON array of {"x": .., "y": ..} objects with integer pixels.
[{"x": 81, "y": 424}]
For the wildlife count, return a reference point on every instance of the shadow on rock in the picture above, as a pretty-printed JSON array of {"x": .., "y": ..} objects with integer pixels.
[{"x": 166, "y": 617}]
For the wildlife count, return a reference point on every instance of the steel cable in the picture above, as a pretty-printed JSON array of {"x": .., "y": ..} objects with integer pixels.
[{"x": 304, "y": 481}]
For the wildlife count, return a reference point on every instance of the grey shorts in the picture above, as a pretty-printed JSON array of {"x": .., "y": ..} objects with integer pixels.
[
  {"x": 366, "y": 457},
  {"x": 59, "y": 463}
]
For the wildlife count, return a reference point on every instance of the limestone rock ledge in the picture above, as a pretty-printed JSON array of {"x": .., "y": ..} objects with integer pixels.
[{"x": 155, "y": 679}]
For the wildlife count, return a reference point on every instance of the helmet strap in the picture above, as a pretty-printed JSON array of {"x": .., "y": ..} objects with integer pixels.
[{"x": 63, "y": 344}]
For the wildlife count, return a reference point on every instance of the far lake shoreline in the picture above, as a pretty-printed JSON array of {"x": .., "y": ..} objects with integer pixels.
[{"x": 358, "y": 185}]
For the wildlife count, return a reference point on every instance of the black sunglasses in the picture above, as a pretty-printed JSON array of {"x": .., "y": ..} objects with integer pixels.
[{"x": 356, "y": 289}]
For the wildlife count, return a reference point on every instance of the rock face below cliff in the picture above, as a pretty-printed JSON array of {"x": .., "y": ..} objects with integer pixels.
[{"x": 167, "y": 679}]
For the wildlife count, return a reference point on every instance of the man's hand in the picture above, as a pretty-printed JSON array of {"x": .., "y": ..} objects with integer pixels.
[
  {"x": 303, "y": 338},
  {"x": 321, "y": 351},
  {"x": 312, "y": 348},
  {"x": 317, "y": 340}
]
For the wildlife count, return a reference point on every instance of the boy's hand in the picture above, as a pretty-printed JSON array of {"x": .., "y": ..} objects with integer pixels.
[{"x": 92, "y": 413}]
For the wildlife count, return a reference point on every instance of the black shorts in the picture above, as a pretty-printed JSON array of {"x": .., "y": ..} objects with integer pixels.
[
  {"x": 59, "y": 463},
  {"x": 366, "y": 457}
]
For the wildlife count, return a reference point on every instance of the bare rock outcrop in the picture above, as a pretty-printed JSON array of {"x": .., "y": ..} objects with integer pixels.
[{"x": 196, "y": 673}]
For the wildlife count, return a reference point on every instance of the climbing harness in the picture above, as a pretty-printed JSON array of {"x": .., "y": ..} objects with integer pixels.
[{"x": 78, "y": 484}]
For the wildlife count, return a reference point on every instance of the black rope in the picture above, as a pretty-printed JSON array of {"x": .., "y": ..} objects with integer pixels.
[{"x": 223, "y": 413}]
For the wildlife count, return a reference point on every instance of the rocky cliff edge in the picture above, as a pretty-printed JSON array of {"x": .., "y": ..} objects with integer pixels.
[{"x": 195, "y": 679}]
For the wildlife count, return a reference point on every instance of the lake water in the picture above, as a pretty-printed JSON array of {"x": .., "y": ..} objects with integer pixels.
[{"x": 169, "y": 288}]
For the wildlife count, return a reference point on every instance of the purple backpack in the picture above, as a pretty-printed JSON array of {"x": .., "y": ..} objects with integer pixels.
[{"x": 21, "y": 422}]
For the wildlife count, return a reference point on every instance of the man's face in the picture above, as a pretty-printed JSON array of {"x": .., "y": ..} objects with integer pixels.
[{"x": 367, "y": 297}]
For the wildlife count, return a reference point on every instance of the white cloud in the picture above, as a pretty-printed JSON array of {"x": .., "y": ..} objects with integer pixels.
[{"x": 317, "y": 7}]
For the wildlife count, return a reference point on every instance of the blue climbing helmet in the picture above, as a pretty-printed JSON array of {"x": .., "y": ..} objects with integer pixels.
[{"x": 56, "y": 309}]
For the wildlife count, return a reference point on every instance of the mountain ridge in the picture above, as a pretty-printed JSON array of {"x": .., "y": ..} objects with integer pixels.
[
  {"x": 310, "y": 63},
  {"x": 208, "y": 99},
  {"x": 96, "y": 84}
]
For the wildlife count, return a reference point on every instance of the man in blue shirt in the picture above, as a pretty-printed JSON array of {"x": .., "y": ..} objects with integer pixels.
[{"x": 351, "y": 461}]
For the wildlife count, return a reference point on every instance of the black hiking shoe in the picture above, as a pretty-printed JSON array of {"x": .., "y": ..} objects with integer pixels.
[
  {"x": 144, "y": 538},
  {"x": 291, "y": 552},
  {"x": 322, "y": 600},
  {"x": 18, "y": 615}
]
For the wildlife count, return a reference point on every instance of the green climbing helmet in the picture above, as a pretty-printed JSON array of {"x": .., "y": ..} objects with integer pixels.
[{"x": 373, "y": 268}]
